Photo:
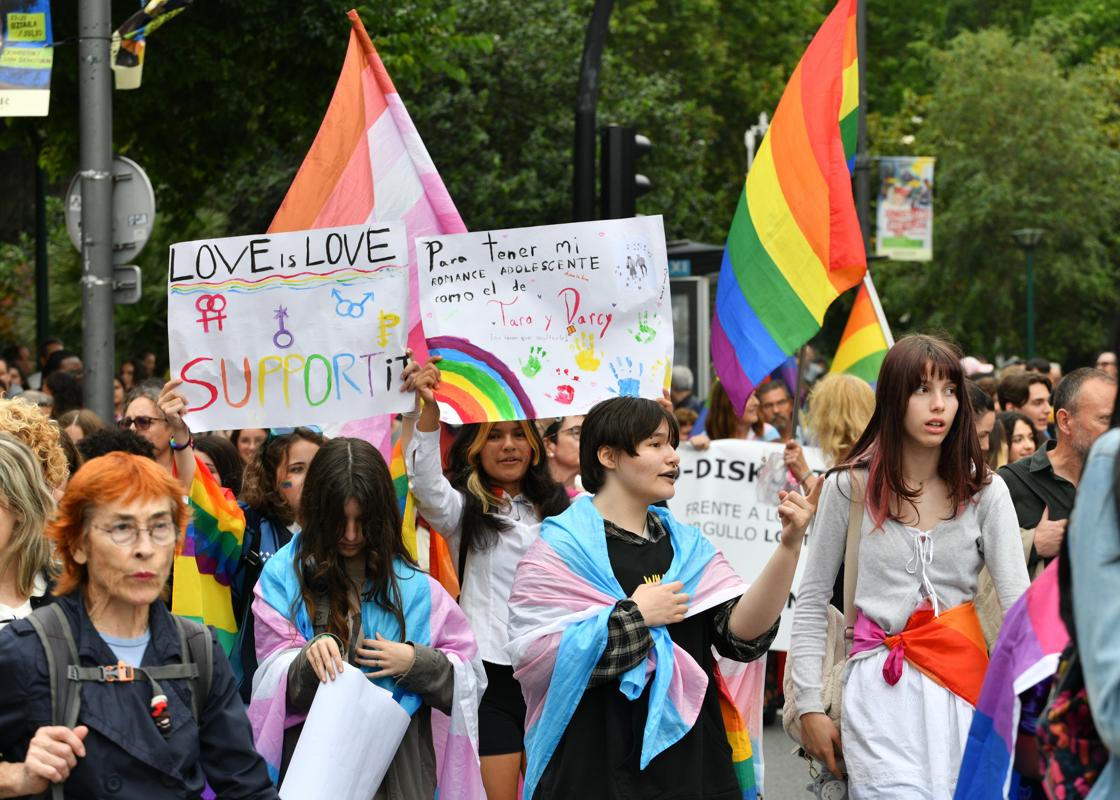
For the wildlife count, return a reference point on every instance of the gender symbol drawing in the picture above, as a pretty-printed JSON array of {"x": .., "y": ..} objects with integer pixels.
[
  {"x": 283, "y": 337},
  {"x": 354, "y": 309},
  {"x": 211, "y": 307}
]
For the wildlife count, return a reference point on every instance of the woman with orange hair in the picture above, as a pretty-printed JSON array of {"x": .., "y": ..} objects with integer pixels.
[
  {"x": 115, "y": 535},
  {"x": 489, "y": 508}
]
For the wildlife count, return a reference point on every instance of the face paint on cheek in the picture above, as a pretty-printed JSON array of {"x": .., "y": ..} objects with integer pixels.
[{"x": 285, "y": 484}]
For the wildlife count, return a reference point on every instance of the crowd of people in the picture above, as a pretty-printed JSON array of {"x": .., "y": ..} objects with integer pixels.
[{"x": 586, "y": 623}]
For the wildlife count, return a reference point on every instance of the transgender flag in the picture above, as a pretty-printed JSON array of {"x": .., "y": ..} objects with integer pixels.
[{"x": 795, "y": 243}]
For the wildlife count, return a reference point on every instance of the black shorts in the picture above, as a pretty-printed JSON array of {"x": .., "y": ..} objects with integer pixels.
[{"x": 501, "y": 714}]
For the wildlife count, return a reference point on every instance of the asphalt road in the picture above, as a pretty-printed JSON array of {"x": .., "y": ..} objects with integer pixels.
[{"x": 786, "y": 774}]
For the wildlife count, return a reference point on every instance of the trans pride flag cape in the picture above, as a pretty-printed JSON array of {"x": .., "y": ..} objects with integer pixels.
[
  {"x": 431, "y": 617},
  {"x": 563, "y": 594},
  {"x": 1030, "y": 642},
  {"x": 207, "y": 558}
]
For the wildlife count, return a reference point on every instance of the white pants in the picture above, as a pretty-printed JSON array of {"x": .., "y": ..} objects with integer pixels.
[{"x": 902, "y": 742}]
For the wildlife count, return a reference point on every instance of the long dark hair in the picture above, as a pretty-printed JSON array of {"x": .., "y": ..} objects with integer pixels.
[
  {"x": 879, "y": 449},
  {"x": 722, "y": 419},
  {"x": 259, "y": 490},
  {"x": 349, "y": 469},
  {"x": 480, "y": 527}
]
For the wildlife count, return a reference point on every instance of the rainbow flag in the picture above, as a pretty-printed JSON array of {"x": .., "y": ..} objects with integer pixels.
[
  {"x": 795, "y": 243},
  {"x": 207, "y": 557},
  {"x": 866, "y": 339},
  {"x": 426, "y": 547},
  {"x": 1027, "y": 652}
]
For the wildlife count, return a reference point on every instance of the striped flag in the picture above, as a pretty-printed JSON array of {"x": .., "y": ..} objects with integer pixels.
[
  {"x": 866, "y": 339},
  {"x": 368, "y": 163},
  {"x": 794, "y": 244},
  {"x": 207, "y": 557}
]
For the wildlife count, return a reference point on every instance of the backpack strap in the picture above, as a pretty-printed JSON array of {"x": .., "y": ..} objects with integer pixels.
[
  {"x": 851, "y": 550},
  {"x": 57, "y": 639},
  {"x": 54, "y": 632},
  {"x": 197, "y": 653}
]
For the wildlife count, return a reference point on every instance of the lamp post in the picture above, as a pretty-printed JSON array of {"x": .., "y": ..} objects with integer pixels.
[{"x": 1028, "y": 239}]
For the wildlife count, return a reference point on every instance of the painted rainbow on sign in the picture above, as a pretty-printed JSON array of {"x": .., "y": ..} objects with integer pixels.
[{"x": 477, "y": 384}]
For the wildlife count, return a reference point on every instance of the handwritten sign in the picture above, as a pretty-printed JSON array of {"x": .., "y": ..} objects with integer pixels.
[
  {"x": 547, "y": 321},
  {"x": 730, "y": 491},
  {"x": 290, "y": 329}
]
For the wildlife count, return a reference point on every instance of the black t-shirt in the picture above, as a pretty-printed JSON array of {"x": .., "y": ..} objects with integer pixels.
[
  {"x": 1034, "y": 487},
  {"x": 599, "y": 755}
]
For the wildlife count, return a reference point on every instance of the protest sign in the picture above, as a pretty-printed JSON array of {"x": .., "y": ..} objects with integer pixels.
[
  {"x": 547, "y": 321},
  {"x": 730, "y": 491},
  {"x": 26, "y": 56},
  {"x": 291, "y": 328},
  {"x": 905, "y": 209}
]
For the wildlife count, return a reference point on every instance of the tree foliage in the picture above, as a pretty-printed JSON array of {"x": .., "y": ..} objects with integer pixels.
[{"x": 1018, "y": 100}]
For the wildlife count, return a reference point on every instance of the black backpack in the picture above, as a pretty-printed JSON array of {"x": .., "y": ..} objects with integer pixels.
[{"x": 66, "y": 674}]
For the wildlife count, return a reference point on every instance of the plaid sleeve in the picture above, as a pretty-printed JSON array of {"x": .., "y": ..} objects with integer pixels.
[
  {"x": 731, "y": 646},
  {"x": 628, "y": 641}
]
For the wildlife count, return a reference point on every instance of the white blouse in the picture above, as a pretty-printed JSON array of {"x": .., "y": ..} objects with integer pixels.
[{"x": 488, "y": 578}]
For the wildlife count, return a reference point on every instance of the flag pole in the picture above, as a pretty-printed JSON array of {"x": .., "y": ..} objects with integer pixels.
[{"x": 879, "y": 315}]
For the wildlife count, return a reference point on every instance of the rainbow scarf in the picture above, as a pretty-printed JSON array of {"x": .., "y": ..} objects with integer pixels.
[
  {"x": 795, "y": 242},
  {"x": 1027, "y": 651},
  {"x": 563, "y": 595},
  {"x": 866, "y": 337},
  {"x": 207, "y": 558},
  {"x": 431, "y": 618}
]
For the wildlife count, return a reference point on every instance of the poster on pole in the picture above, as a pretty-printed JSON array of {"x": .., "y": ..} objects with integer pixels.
[
  {"x": 301, "y": 328},
  {"x": 730, "y": 491},
  {"x": 26, "y": 56},
  {"x": 905, "y": 208},
  {"x": 547, "y": 321}
]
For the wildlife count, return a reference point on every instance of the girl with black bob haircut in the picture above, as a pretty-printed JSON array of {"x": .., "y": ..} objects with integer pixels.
[
  {"x": 617, "y": 599},
  {"x": 345, "y": 589},
  {"x": 489, "y": 508}
]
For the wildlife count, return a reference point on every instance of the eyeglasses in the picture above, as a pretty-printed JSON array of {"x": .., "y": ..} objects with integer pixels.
[
  {"x": 124, "y": 534},
  {"x": 573, "y": 431},
  {"x": 142, "y": 423}
]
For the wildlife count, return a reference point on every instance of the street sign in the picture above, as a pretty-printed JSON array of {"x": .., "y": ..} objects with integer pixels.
[
  {"x": 126, "y": 285},
  {"x": 134, "y": 210}
]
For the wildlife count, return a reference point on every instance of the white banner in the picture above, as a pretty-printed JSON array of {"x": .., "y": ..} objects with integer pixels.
[
  {"x": 731, "y": 491},
  {"x": 292, "y": 328},
  {"x": 547, "y": 321}
]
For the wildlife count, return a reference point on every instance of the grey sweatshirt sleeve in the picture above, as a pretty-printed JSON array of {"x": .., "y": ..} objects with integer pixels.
[
  {"x": 1003, "y": 544},
  {"x": 432, "y": 677},
  {"x": 827, "y": 539}
]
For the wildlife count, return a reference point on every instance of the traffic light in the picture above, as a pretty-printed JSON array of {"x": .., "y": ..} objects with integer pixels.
[{"x": 621, "y": 184}]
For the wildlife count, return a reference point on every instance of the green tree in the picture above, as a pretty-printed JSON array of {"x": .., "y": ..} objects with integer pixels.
[{"x": 1019, "y": 144}]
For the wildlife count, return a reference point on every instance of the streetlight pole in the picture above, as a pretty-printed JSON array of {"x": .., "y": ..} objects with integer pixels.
[
  {"x": 1028, "y": 239},
  {"x": 96, "y": 154}
]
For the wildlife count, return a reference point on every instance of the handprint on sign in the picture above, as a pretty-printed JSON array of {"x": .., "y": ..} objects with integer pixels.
[
  {"x": 645, "y": 332},
  {"x": 586, "y": 357},
  {"x": 629, "y": 384},
  {"x": 663, "y": 367},
  {"x": 565, "y": 392},
  {"x": 532, "y": 365}
]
